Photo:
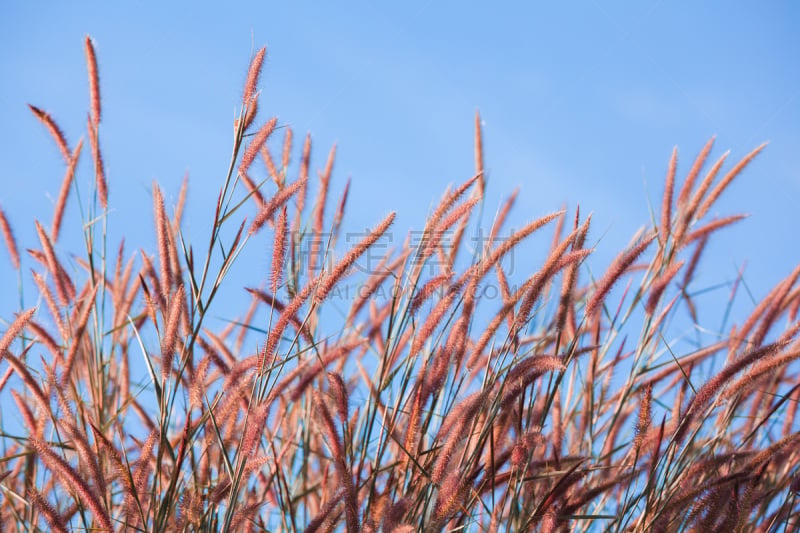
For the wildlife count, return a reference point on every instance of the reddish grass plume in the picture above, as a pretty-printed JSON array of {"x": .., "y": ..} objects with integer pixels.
[{"x": 571, "y": 402}]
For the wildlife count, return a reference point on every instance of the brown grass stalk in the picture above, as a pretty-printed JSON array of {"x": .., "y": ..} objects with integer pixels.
[
  {"x": 332, "y": 278},
  {"x": 448, "y": 202},
  {"x": 479, "y": 153},
  {"x": 645, "y": 416},
  {"x": 688, "y": 183},
  {"x": 771, "y": 300},
  {"x": 338, "y": 390},
  {"x": 254, "y": 429},
  {"x": 66, "y": 183},
  {"x": 50, "y": 301},
  {"x": 252, "y": 150},
  {"x": 449, "y": 259},
  {"x": 429, "y": 289},
  {"x": 452, "y": 491},
  {"x": 689, "y": 207},
  {"x": 778, "y": 300},
  {"x": 251, "y": 83},
  {"x": 50, "y": 515},
  {"x": 76, "y": 335},
  {"x": 42, "y": 400},
  {"x": 274, "y": 304},
  {"x": 454, "y": 429},
  {"x": 65, "y": 290},
  {"x": 428, "y": 405},
  {"x": 614, "y": 273},
  {"x": 286, "y": 316},
  {"x": 525, "y": 372},
  {"x": 94, "y": 81},
  {"x": 99, "y": 166},
  {"x": 324, "y": 185},
  {"x": 35, "y": 425},
  {"x": 340, "y": 461},
  {"x": 726, "y": 180},
  {"x": 711, "y": 387},
  {"x": 273, "y": 171},
  {"x": 659, "y": 285},
  {"x": 459, "y": 214},
  {"x": 15, "y": 329},
  {"x": 275, "y": 203},
  {"x": 55, "y": 131},
  {"x": 170, "y": 339},
  {"x": 71, "y": 479},
  {"x": 434, "y": 318},
  {"x": 482, "y": 268},
  {"x": 163, "y": 240},
  {"x": 286, "y": 153},
  {"x": 711, "y": 227},
  {"x": 325, "y": 511},
  {"x": 305, "y": 164},
  {"x": 762, "y": 368},
  {"x": 253, "y": 189},
  {"x": 367, "y": 292},
  {"x": 666, "y": 202},
  {"x": 571, "y": 277},
  {"x": 8, "y": 237},
  {"x": 43, "y": 336},
  {"x": 279, "y": 250}
]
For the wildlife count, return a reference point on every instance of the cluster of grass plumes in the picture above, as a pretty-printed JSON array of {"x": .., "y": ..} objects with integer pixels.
[{"x": 430, "y": 408}]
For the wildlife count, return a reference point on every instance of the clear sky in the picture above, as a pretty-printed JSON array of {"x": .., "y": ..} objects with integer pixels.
[{"x": 581, "y": 102}]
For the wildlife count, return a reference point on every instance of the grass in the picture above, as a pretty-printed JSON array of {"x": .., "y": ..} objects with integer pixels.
[{"x": 565, "y": 404}]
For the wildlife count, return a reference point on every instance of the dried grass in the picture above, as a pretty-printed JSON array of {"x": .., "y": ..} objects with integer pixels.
[{"x": 428, "y": 406}]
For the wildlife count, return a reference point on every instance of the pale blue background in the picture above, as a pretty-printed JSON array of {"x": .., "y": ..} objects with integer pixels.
[{"x": 582, "y": 102}]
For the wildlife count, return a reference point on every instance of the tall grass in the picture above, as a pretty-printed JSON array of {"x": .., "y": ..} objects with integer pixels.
[{"x": 566, "y": 404}]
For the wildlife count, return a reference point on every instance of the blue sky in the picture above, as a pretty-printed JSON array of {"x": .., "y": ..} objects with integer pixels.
[{"x": 581, "y": 102}]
